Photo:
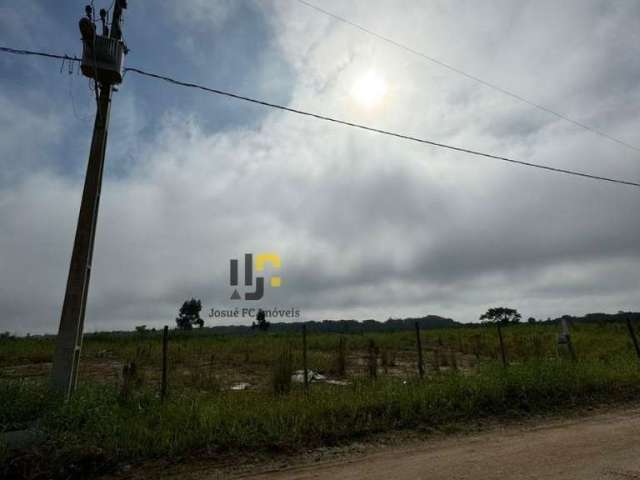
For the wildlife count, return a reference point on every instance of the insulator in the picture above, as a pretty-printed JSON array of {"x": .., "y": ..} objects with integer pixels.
[{"x": 87, "y": 29}]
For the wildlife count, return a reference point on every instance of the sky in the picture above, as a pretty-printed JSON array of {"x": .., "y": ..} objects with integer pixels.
[{"x": 366, "y": 226}]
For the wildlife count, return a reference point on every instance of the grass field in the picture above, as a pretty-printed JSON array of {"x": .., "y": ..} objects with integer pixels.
[{"x": 115, "y": 418}]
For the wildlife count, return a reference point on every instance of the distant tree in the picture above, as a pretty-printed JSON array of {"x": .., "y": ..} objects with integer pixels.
[
  {"x": 261, "y": 320},
  {"x": 531, "y": 320},
  {"x": 189, "y": 315},
  {"x": 501, "y": 315},
  {"x": 141, "y": 329}
]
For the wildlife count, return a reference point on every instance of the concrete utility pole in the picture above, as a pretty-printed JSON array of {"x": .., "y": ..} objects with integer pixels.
[{"x": 102, "y": 60}]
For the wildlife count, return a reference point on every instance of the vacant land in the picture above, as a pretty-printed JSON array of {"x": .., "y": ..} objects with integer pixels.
[{"x": 234, "y": 393}]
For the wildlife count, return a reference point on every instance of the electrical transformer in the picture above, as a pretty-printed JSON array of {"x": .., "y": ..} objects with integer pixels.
[{"x": 102, "y": 59}]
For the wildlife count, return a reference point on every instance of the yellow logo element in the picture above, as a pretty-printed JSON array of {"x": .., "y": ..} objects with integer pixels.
[{"x": 274, "y": 260}]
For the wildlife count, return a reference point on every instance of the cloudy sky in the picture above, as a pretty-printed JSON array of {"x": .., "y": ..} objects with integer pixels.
[{"x": 367, "y": 226}]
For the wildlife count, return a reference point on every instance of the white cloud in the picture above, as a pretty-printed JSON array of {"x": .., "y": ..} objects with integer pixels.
[{"x": 367, "y": 225}]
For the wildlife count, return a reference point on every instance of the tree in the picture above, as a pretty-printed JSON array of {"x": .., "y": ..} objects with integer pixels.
[
  {"x": 501, "y": 315},
  {"x": 189, "y": 315},
  {"x": 531, "y": 320},
  {"x": 262, "y": 322}
]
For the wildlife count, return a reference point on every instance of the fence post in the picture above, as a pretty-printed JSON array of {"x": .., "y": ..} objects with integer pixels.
[
  {"x": 304, "y": 357},
  {"x": 632, "y": 333},
  {"x": 502, "y": 352},
  {"x": 372, "y": 361},
  {"x": 565, "y": 337},
  {"x": 419, "y": 347},
  {"x": 165, "y": 343},
  {"x": 342, "y": 357}
]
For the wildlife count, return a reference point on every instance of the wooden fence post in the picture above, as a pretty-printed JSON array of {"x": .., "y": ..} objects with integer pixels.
[
  {"x": 165, "y": 343},
  {"x": 502, "y": 352},
  {"x": 565, "y": 337},
  {"x": 342, "y": 357},
  {"x": 372, "y": 360},
  {"x": 419, "y": 347},
  {"x": 304, "y": 357},
  {"x": 632, "y": 333}
]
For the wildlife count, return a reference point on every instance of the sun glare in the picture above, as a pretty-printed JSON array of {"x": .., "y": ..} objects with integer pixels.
[{"x": 370, "y": 90}]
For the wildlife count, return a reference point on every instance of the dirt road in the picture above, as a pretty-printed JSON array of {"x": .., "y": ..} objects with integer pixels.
[{"x": 605, "y": 446}]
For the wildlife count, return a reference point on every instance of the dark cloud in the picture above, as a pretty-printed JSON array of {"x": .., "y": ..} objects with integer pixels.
[{"x": 366, "y": 226}]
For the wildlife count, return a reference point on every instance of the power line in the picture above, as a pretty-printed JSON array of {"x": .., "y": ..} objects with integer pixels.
[
  {"x": 342, "y": 122},
  {"x": 16, "y": 51},
  {"x": 377, "y": 130},
  {"x": 468, "y": 75}
]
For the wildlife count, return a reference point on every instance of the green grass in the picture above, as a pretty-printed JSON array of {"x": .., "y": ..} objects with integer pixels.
[
  {"x": 523, "y": 342},
  {"x": 142, "y": 427},
  {"x": 101, "y": 423}
]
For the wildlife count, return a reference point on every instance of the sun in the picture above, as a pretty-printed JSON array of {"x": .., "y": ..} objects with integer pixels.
[{"x": 370, "y": 90}]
